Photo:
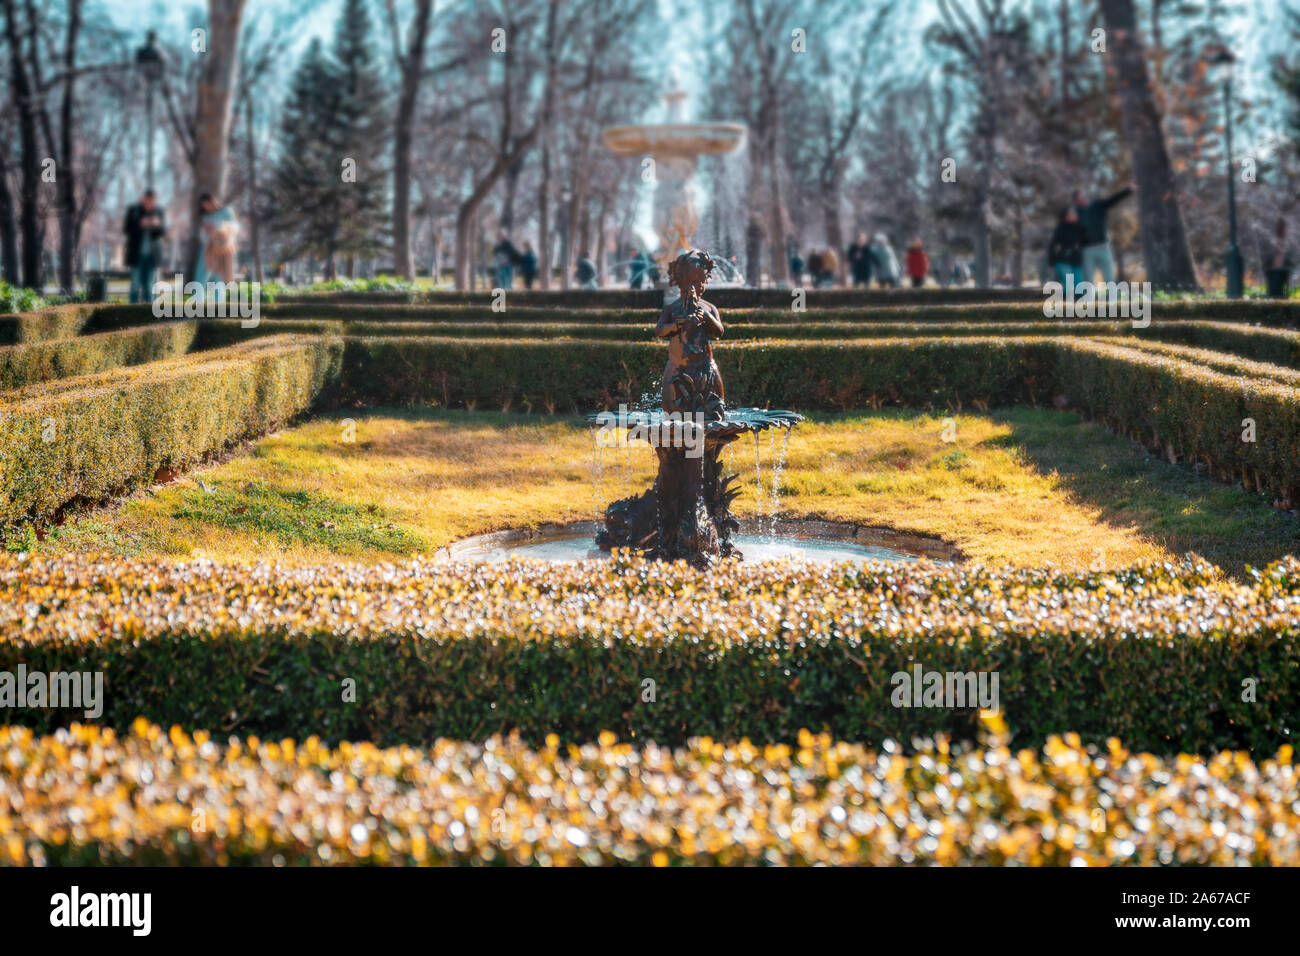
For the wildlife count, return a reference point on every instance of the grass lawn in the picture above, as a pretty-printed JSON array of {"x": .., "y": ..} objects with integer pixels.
[{"x": 1025, "y": 486}]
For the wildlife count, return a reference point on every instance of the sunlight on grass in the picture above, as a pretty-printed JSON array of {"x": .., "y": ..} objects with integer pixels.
[{"x": 1025, "y": 486}]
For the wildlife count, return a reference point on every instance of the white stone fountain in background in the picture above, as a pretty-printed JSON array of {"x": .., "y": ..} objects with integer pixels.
[{"x": 675, "y": 148}]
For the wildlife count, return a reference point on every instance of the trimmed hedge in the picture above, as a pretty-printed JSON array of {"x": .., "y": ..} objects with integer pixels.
[
  {"x": 22, "y": 365},
  {"x": 818, "y": 802},
  {"x": 653, "y": 298},
  {"x": 220, "y": 333},
  {"x": 1185, "y": 410},
  {"x": 85, "y": 439},
  {"x": 43, "y": 325},
  {"x": 735, "y": 332},
  {"x": 1190, "y": 412},
  {"x": 583, "y": 376},
  {"x": 1217, "y": 361},
  {"x": 1153, "y": 654}
]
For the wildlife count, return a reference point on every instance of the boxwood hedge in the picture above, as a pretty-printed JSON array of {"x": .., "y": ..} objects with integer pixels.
[
  {"x": 1157, "y": 655},
  {"x": 87, "y": 438},
  {"x": 84, "y": 355}
]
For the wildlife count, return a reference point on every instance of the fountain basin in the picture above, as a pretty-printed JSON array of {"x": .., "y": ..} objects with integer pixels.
[
  {"x": 759, "y": 540},
  {"x": 649, "y": 424}
]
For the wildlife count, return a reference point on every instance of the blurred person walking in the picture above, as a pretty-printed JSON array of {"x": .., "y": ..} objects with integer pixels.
[
  {"x": 1065, "y": 250},
  {"x": 585, "y": 273},
  {"x": 218, "y": 242},
  {"x": 830, "y": 266},
  {"x": 637, "y": 270},
  {"x": 884, "y": 264},
  {"x": 918, "y": 264},
  {"x": 528, "y": 265},
  {"x": 797, "y": 267},
  {"x": 859, "y": 259},
  {"x": 1097, "y": 255},
  {"x": 144, "y": 228},
  {"x": 506, "y": 255}
]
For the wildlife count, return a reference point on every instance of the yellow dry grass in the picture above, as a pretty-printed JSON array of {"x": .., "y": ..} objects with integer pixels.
[{"x": 1024, "y": 486}]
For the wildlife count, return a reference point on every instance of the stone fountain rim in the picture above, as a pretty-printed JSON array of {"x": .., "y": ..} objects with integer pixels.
[
  {"x": 927, "y": 546},
  {"x": 663, "y": 139}
]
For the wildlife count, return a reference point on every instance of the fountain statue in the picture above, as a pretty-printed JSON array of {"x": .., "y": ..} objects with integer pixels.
[
  {"x": 674, "y": 147},
  {"x": 687, "y": 514}
]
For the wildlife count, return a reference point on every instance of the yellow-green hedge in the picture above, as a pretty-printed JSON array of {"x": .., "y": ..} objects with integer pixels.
[
  {"x": 22, "y": 365},
  {"x": 87, "y": 438},
  {"x": 55, "y": 322},
  {"x": 1155, "y": 654},
  {"x": 1228, "y": 364},
  {"x": 1182, "y": 407},
  {"x": 89, "y": 796},
  {"x": 1190, "y": 412}
]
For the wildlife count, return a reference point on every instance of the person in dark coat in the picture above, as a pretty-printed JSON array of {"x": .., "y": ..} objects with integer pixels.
[
  {"x": 814, "y": 266},
  {"x": 506, "y": 257},
  {"x": 859, "y": 259},
  {"x": 586, "y": 273},
  {"x": 637, "y": 270},
  {"x": 797, "y": 267},
  {"x": 1065, "y": 249},
  {"x": 528, "y": 265},
  {"x": 144, "y": 229}
]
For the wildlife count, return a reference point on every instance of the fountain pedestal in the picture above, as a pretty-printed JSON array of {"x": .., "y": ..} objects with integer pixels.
[{"x": 687, "y": 513}]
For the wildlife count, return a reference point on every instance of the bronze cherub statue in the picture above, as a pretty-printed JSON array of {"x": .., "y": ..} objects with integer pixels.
[{"x": 690, "y": 324}]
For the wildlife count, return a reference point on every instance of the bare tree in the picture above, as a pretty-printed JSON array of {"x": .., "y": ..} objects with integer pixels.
[
  {"x": 410, "y": 63},
  {"x": 1164, "y": 237}
]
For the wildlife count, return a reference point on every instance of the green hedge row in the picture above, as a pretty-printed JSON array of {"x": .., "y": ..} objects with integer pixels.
[
  {"x": 88, "y": 438},
  {"x": 585, "y": 375},
  {"x": 56, "y": 322},
  {"x": 1218, "y": 361},
  {"x": 1154, "y": 655},
  {"x": 22, "y": 365},
  {"x": 220, "y": 333},
  {"x": 653, "y": 299},
  {"x": 1182, "y": 407},
  {"x": 1191, "y": 413}
]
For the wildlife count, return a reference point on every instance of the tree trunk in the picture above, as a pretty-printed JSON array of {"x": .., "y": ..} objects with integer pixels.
[
  {"x": 1066, "y": 33},
  {"x": 544, "y": 218},
  {"x": 834, "y": 230},
  {"x": 212, "y": 120},
  {"x": 8, "y": 229},
  {"x": 412, "y": 68},
  {"x": 29, "y": 218},
  {"x": 1164, "y": 236},
  {"x": 754, "y": 251},
  {"x": 68, "y": 225},
  {"x": 254, "y": 232},
  {"x": 465, "y": 215},
  {"x": 780, "y": 262}
]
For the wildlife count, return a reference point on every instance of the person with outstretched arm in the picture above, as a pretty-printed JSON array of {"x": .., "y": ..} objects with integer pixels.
[{"x": 1097, "y": 255}]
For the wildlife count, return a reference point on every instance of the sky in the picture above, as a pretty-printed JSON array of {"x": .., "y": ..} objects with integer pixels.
[{"x": 1260, "y": 33}]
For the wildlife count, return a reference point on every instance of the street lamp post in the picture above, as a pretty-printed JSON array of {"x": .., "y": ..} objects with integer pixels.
[
  {"x": 1235, "y": 280},
  {"x": 149, "y": 60}
]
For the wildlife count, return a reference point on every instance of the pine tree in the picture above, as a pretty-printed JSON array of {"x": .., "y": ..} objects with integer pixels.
[
  {"x": 358, "y": 132},
  {"x": 330, "y": 186},
  {"x": 304, "y": 208}
]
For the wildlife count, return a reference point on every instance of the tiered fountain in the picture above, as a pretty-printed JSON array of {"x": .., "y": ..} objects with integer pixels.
[{"x": 675, "y": 148}]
